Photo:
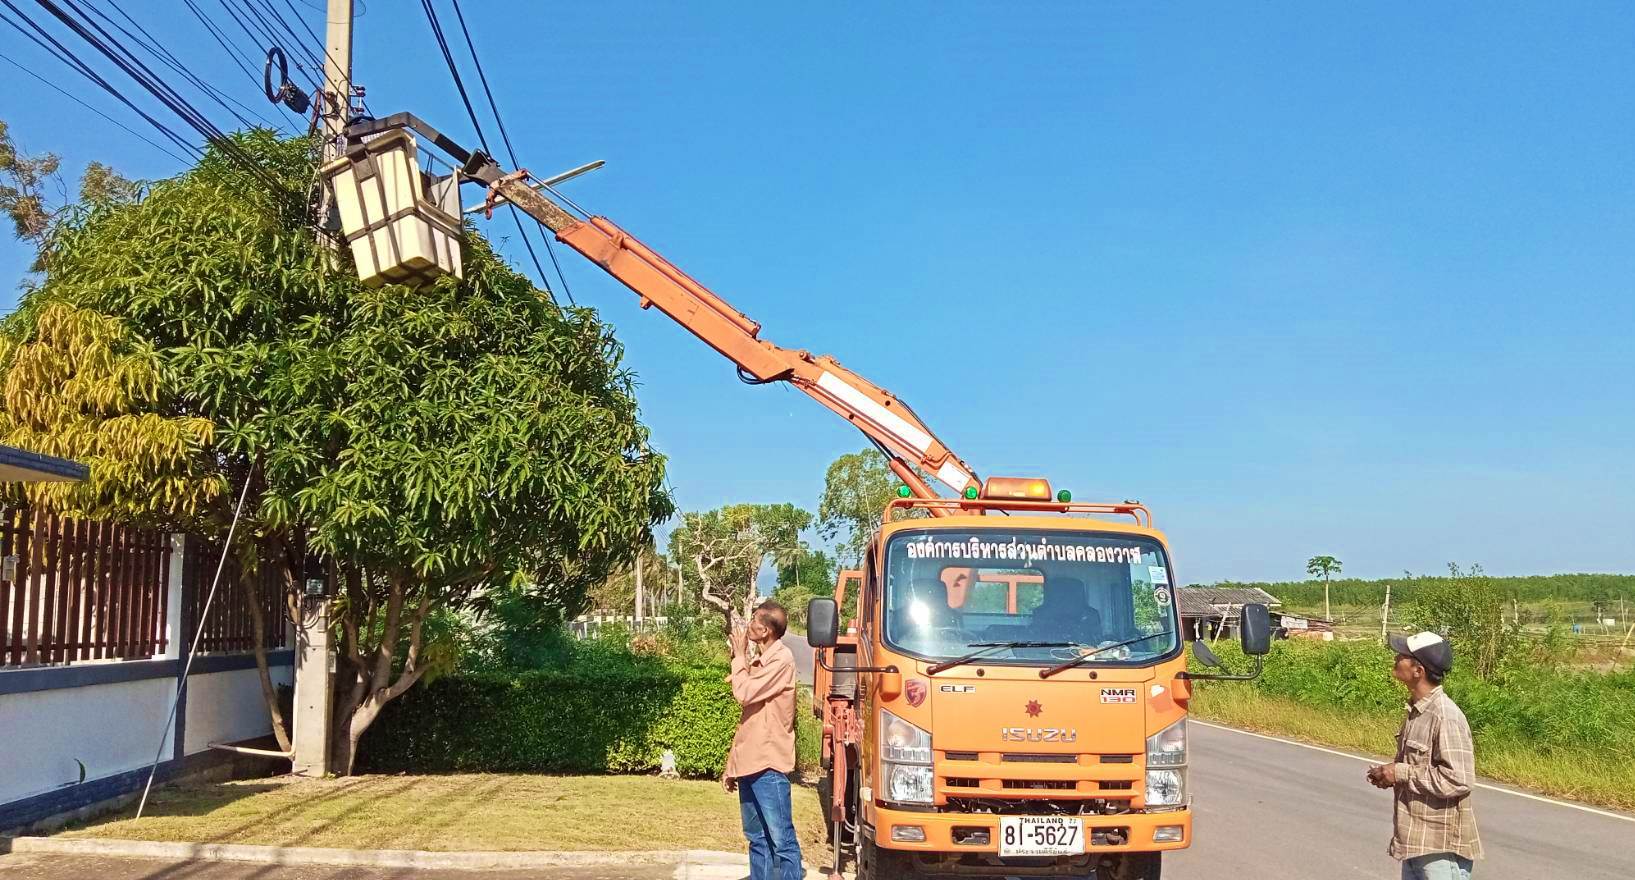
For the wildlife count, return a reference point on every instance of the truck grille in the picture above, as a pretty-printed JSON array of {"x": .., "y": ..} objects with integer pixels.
[
  {"x": 1039, "y": 777},
  {"x": 1037, "y": 806},
  {"x": 1025, "y": 758},
  {"x": 1041, "y": 784}
]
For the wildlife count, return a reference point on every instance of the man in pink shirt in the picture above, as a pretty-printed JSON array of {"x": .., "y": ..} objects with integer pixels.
[{"x": 763, "y": 750}]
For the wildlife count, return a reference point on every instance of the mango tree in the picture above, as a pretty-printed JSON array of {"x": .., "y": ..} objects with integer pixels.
[{"x": 435, "y": 447}]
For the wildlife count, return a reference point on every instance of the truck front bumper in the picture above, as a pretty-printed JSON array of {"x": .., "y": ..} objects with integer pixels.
[{"x": 964, "y": 832}]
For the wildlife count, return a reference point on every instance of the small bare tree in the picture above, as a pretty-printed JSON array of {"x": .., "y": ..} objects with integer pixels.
[{"x": 725, "y": 548}]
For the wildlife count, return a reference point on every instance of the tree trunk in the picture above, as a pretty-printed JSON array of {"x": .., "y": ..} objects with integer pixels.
[
  {"x": 374, "y": 687},
  {"x": 258, "y": 641}
]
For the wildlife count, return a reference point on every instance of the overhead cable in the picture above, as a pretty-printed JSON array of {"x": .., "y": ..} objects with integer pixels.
[
  {"x": 147, "y": 41},
  {"x": 65, "y": 56},
  {"x": 76, "y": 99},
  {"x": 471, "y": 112},
  {"x": 511, "y": 153},
  {"x": 296, "y": 40},
  {"x": 144, "y": 76}
]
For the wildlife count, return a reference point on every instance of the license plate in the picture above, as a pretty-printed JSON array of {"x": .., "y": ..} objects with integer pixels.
[{"x": 1040, "y": 836}]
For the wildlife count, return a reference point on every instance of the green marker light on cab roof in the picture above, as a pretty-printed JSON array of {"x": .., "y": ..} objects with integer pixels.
[
  {"x": 970, "y": 493},
  {"x": 1064, "y": 496},
  {"x": 903, "y": 491}
]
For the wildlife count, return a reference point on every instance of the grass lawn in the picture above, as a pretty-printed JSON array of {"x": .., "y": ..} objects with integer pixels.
[
  {"x": 1592, "y": 779},
  {"x": 455, "y": 812}
]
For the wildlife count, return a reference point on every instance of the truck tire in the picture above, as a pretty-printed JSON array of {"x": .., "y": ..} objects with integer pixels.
[
  {"x": 1133, "y": 866},
  {"x": 874, "y": 863}
]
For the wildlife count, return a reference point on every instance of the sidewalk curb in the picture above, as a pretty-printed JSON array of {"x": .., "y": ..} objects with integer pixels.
[{"x": 364, "y": 858}]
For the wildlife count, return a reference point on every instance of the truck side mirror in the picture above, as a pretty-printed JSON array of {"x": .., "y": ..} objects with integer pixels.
[
  {"x": 1202, "y": 653},
  {"x": 822, "y": 623},
  {"x": 1255, "y": 630}
]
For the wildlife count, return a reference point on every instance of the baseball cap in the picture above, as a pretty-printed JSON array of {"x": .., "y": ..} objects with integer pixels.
[{"x": 1428, "y": 648}]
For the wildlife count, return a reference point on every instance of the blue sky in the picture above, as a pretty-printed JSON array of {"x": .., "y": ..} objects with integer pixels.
[{"x": 1303, "y": 279}]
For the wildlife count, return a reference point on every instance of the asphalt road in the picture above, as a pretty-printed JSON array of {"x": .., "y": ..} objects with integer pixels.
[
  {"x": 1271, "y": 809},
  {"x": 796, "y": 642},
  {"x": 1265, "y": 808}
]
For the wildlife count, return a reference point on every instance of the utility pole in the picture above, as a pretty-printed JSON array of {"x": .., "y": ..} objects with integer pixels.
[
  {"x": 314, "y": 682},
  {"x": 639, "y": 589},
  {"x": 1385, "y": 616}
]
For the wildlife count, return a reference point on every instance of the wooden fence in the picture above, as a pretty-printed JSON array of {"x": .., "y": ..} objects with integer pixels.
[
  {"x": 76, "y": 590},
  {"x": 230, "y": 626}
]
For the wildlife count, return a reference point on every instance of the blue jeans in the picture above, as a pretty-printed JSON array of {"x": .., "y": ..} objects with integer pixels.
[
  {"x": 1436, "y": 866},
  {"x": 774, "y": 851}
]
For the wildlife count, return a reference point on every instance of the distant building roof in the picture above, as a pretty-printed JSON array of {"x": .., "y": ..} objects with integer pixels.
[
  {"x": 22, "y": 466},
  {"x": 1218, "y": 601}
]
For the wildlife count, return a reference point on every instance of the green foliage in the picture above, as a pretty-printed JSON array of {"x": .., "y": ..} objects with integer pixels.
[
  {"x": 856, "y": 490},
  {"x": 726, "y": 547},
  {"x": 1557, "y": 712},
  {"x": 1324, "y": 567},
  {"x": 603, "y": 713},
  {"x": 441, "y": 445},
  {"x": 23, "y": 194},
  {"x": 616, "y": 594},
  {"x": 814, "y": 570},
  {"x": 808, "y": 734},
  {"x": 1465, "y": 605},
  {"x": 799, "y": 581},
  {"x": 1586, "y": 587}
]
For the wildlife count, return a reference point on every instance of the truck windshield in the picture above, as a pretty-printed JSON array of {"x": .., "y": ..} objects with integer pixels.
[{"x": 949, "y": 592}]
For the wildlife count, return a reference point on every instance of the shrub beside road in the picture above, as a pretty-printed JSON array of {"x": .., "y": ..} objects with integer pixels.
[
  {"x": 588, "y": 718},
  {"x": 1563, "y": 732}
]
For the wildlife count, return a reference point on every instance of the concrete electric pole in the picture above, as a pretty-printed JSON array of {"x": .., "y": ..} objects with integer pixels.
[
  {"x": 314, "y": 660},
  {"x": 639, "y": 590}
]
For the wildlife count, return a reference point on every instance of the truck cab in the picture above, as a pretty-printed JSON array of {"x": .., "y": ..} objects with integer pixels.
[{"x": 1011, "y": 696}]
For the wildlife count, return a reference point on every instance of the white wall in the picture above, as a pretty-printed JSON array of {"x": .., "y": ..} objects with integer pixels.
[
  {"x": 111, "y": 727},
  {"x": 115, "y": 727},
  {"x": 227, "y": 707}
]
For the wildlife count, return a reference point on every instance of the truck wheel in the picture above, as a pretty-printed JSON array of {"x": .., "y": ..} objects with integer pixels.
[
  {"x": 1133, "y": 866},
  {"x": 874, "y": 863}
]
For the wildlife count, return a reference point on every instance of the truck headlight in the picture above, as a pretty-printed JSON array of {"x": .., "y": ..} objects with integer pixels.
[
  {"x": 905, "y": 761},
  {"x": 1168, "y": 747},
  {"x": 908, "y": 783},
  {"x": 1166, "y": 788}
]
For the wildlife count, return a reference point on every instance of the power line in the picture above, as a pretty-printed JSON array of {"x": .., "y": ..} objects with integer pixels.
[
  {"x": 221, "y": 40},
  {"x": 76, "y": 99},
  {"x": 460, "y": 86},
  {"x": 62, "y": 54},
  {"x": 169, "y": 59},
  {"x": 133, "y": 67},
  {"x": 296, "y": 39},
  {"x": 506, "y": 137},
  {"x": 263, "y": 31}
]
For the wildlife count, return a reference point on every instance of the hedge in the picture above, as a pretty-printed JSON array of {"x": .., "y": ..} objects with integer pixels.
[
  {"x": 616, "y": 718},
  {"x": 1557, "y": 711}
]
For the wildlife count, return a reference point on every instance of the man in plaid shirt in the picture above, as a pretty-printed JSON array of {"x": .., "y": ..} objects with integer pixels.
[{"x": 1434, "y": 827}]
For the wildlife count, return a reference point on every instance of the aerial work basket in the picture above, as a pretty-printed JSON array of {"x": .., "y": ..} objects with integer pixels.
[{"x": 403, "y": 225}]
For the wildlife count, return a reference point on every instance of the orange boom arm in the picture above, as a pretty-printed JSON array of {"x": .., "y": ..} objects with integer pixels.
[{"x": 884, "y": 419}]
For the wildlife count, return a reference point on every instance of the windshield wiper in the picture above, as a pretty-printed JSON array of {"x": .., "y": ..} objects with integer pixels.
[
  {"x": 1046, "y": 673},
  {"x": 989, "y": 647}
]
